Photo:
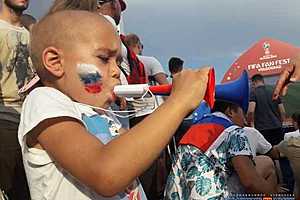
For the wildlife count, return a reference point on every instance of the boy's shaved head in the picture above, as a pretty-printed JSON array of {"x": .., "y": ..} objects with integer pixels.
[
  {"x": 77, "y": 53},
  {"x": 63, "y": 30}
]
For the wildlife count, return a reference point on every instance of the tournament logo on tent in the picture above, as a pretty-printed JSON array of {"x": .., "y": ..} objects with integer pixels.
[{"x": 267, "y": 57}]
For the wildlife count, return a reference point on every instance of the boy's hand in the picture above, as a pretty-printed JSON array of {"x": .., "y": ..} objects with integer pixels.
[
  {"x": 189, "y": 87},
  {"x": 289, "y": 75}
]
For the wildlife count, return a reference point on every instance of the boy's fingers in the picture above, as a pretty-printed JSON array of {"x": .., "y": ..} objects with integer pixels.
[
  {"x": 204, "y": 72},
  {"x": 204, "y": 69}
]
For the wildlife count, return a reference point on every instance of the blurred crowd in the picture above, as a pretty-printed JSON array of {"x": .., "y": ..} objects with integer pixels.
[{"x": 64, "y": 134}]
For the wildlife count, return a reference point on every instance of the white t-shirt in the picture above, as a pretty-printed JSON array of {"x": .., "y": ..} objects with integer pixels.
[
  {"x": 152, "y": 65},
  {"x": 258, "y": 144},
  {"x": 47, "y": 180},
  {"x": 291, "y": 134}
]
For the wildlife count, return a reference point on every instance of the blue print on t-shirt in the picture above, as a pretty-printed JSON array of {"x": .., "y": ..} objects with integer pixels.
[{"x": 98, "y": 126}]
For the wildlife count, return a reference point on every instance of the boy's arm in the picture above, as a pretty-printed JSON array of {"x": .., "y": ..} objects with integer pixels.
[
  {"x": 250, "y": 179},
  {"x": 108, "y": 169},
  {"x": 122, "y": 131}
]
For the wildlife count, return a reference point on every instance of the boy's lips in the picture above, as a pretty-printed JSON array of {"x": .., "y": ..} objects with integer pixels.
[
  {"x": 23, "y": 1},
  {"x": 114, "y": 96}
]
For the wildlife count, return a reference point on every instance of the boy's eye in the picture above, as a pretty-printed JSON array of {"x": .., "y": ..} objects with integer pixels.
[{"x": 104, "y": 59}]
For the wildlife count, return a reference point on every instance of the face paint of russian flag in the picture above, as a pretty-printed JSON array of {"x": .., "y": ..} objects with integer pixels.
[{"x": 91, "y": 77}]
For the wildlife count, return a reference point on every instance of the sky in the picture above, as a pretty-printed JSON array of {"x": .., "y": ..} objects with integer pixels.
[{"x": 204, "y": 32}]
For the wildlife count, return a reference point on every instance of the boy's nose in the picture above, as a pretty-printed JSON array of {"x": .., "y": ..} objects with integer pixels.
[{"x": 115, "y": 71}]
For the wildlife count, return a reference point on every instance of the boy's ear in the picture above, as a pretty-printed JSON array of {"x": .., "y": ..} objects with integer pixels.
[
  {"x": 228, "y": 112},
  {"x": 52, "y": 60}
]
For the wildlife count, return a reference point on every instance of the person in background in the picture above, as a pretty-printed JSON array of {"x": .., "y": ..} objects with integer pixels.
[
  {"x": 112, "y": 8},
  {"x": 134, "y": 43},
  {"x": 265, "y": 114},
  {"x": 290, "y": 148},
  {"x": 152, "y": 66},
  {"x": 263, "y": 153},
  {"x": 154, "y": 178},
  {"x": 28, "y": 21},
  {"x": 15, "y": 70},
  {"x": 296, "y": 124},
  {"x": 175, "y": 65}
]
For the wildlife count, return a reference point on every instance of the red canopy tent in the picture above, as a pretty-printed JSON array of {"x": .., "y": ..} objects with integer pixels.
[{"x": 267, "y": 57}]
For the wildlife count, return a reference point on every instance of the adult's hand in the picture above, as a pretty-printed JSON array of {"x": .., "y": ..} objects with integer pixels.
[
  {"x": 121, "y": 102},
  {"x": 289, "y": 75}
]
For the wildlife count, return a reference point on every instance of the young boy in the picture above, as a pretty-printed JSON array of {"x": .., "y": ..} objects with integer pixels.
[
  {"x": 215, "y": 160},
  {"x": 76, "y": 54}
]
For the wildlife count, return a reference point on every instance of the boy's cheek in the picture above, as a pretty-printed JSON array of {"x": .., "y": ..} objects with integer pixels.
[
  {"x": 90, "y": 77},
  {"x": 93, "y": 88}
]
